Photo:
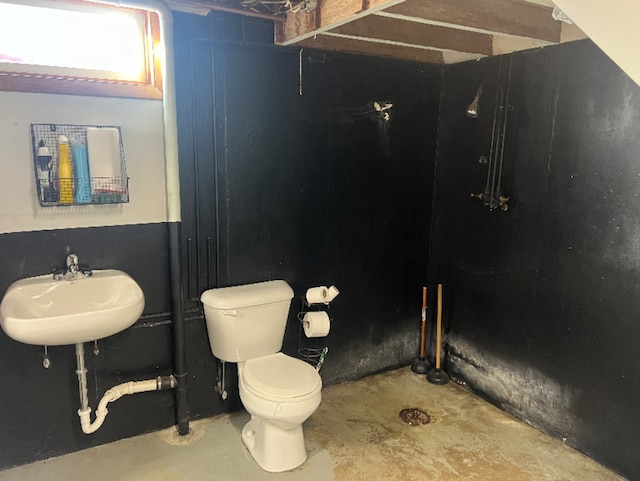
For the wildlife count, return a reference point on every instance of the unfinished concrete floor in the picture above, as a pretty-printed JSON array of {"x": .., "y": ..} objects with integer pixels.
[{"x": 356, "y": 434}]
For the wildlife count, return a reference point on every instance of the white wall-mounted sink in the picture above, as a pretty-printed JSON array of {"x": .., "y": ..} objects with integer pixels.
[{"x": 48, "y": 312}]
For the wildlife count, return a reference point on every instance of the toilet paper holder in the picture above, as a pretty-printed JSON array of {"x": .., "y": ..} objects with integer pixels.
[
  {"x": 301, "y": 315},
  {"x": 315, "y": 320},
  {"x": 315, "y": 305}
]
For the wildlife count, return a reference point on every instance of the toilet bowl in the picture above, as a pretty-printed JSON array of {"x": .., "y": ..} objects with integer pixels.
[
  {"x": 246, "y": 326},
  {"x": 280, "y": 393}
]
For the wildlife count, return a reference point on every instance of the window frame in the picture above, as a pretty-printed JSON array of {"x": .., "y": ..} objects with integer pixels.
[{"x": 63, "y": 83}]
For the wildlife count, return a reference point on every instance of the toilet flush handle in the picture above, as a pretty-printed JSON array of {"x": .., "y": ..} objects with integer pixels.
[{"x": 232, "y": 313}]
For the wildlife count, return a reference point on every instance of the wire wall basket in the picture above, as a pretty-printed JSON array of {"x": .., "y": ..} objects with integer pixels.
[
  {"x": 313, "y": 356},
  {"x": 79, "y": 165}
]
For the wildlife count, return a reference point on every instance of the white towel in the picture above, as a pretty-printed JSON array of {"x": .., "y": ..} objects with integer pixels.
[{"x": 103, "y": 148}]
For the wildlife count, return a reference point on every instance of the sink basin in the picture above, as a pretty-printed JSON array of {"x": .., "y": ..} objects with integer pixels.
[{"x": 43, "y": 311}]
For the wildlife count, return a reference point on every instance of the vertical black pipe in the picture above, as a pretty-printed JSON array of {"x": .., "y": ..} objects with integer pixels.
[{"x": 178, "y": 329}]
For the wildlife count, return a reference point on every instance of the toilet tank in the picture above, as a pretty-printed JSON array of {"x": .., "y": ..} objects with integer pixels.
[{"x": 247, "y": 321}]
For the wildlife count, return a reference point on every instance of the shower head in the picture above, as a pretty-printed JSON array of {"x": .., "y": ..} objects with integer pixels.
[{"x": 472, "y": 108}]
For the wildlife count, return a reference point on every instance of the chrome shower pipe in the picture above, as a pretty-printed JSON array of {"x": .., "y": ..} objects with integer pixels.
[
  {"x": 492, "y": 191},
  {"x": 505, "y": 114},
  {"x": 489, "y": 189}
]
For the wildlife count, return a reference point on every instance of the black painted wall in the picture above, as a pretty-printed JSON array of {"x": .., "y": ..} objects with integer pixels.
[
  {"x": 38, "y": 415},
  {"x": 319, "y": 189},
  {"x": 314, "y": 189},
  {"x": 542, "y": 300}
]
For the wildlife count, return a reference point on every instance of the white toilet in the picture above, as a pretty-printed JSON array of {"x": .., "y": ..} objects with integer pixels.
[{"x": 246, "y": 325}]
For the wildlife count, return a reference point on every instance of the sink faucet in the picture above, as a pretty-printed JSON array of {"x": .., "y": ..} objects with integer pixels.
[
  {"x": 72, "y": 264},
  {"x": 73, "y": 270}
]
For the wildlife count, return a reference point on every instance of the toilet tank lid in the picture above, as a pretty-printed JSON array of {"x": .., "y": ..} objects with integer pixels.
[{"x": 247, "y": 295}]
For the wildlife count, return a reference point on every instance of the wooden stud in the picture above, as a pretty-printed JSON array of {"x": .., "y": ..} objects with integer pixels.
[
  {"x": 329, "y": 14},
  {"x": 341, "y": 44},
  {"x": 512, "y": 17},
  {"x": 391, "y": 30}
]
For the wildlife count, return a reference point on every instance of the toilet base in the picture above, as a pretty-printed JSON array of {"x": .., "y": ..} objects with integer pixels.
[{"x": 273, "y": 447}]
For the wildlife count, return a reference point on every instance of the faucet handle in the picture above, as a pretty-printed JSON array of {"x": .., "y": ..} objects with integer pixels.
[
  {"x": 58, "y": 274},
  {"x": 86, "y": 271}
]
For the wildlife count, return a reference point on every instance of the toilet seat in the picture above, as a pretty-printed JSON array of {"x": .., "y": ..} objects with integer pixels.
[{"x": 279, "y": 377}]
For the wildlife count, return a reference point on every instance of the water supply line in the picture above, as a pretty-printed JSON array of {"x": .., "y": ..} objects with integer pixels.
[
  {"x": 172, "y": 188},
  {"x": 111, "y": 395},
  {"x": 493, "y": 196},
  {"x": 490, "y": 196}
]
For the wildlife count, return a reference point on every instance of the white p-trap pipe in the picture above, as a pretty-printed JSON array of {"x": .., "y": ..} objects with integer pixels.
[{"x": 113, "y": 394}]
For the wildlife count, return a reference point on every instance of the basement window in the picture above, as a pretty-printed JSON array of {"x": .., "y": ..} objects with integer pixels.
[{"x": 79, "y": 48}]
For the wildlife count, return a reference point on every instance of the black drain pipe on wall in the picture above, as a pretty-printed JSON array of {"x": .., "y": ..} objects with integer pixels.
[
  {"x": 178, "y": 330},
  {"x": 173, "y": 215}
]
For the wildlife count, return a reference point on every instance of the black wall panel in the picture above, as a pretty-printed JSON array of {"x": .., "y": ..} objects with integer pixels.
[
  {"x": 39, "y": 405},
  {"x": 299, "y": 177},
  {"x": 543, "y": 299}
]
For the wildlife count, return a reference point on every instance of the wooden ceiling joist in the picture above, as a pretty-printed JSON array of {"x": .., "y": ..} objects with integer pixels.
[
  {"x": 429, "y": 31},
  {"x": 328, "y": 15},
  {"x": 333, "y": 42},
  {"x": 512, "y": 17},
  {"x": 398, "y": 32}
]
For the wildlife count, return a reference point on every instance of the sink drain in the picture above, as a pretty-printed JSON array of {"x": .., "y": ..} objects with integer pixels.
[{"x": 415, "y": 417}]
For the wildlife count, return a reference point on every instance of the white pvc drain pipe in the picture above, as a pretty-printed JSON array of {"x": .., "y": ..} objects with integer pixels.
[{"x": 113, "y": 394}]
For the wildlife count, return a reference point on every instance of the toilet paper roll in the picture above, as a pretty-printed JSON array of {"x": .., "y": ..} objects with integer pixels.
[
  {"x": 332, "y": 293},
  {"x": 316, "y": 324},
  {"x": 317, "y": 295},
  {"x": 103, "y": 152}
]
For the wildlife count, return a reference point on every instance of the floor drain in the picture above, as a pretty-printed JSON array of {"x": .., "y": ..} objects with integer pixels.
[{"x": 415, "y": 417}]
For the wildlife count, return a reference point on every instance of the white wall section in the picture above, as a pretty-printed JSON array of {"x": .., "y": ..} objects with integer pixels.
[
  {"x": 141, "y": 122},
  {"x": 613, "y": 26}
]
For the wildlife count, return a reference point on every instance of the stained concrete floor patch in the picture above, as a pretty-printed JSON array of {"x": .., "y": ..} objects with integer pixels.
[{"x": 356, "y": 434}]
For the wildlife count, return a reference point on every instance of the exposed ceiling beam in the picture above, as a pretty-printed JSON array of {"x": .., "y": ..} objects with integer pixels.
[
  {"x": 545, "y": 3},
  {"x": 398, "y": 32},
  {"x": 512, "y": 17},
  {"x": 459, "y": 29},
  {"x": 338, "y": 43},
  {"x": 328, "y": 15},
  {"x": 428, "y": 31}
]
